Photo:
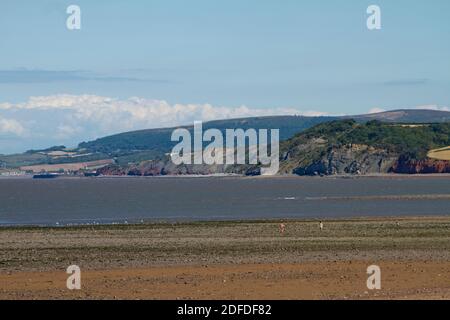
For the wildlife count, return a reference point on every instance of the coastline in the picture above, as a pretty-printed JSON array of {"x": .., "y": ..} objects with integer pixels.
[{"x": 225, "y": 176}]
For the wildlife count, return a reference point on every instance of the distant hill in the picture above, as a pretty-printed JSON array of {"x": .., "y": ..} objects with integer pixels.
[
  {"x": 334, "y": 148},
  {"x": 406, "y": 116},
  {"x": 158, "y": 140},
  {"x": 138, "y": 146}
]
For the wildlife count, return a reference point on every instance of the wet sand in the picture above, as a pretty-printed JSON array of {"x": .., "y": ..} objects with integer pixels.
[{"x": 230, "y": 260}]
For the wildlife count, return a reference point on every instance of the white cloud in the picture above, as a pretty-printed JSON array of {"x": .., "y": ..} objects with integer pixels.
[
  {"x": 98, "y": 116},
  {"x": 376, "y": 110},
  {"x": 11, "y": 126}
]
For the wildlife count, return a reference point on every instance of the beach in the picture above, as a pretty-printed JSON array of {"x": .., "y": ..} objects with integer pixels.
[{"x": 230, "y": 260}]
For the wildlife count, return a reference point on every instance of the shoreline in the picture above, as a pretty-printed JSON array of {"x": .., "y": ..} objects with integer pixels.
[
  {"x": 187, "y": 222},
  {"x": 213, "y": 222},
  {"x": 226, "y": 176}
]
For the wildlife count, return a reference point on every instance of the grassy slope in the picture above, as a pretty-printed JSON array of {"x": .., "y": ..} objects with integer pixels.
[
  {"x": 412, "y": 141},
  {"x": 440, "y": 154}
]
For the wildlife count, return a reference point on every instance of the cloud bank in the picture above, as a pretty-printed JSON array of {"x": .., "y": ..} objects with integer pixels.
[
  {"x": 376, "y": 110},
  {"x": 64, "y": 119},
  {"x": 69, "y": 119},
  {"x": 107, "y": 115}
]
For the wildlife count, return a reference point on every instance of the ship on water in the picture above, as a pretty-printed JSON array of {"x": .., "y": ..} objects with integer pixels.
[{"x": 46, "y": 176}]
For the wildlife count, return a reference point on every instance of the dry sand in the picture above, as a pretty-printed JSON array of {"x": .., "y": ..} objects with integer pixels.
[{"x": 230, "y": 260}]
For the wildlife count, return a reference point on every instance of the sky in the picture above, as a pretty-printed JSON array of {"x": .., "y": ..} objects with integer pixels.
[{"x": 151, "y": 63}]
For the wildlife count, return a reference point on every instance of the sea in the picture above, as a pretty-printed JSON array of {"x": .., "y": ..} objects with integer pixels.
[{"x": 126, "y": 200}]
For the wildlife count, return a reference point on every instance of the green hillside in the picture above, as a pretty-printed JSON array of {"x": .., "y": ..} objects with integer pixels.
[
  {"x": 138, "y": 146},
  {"x": 374, "y": 147},
  {"x": 158, "y": 140},
  {"x": 412, "y": 140}
]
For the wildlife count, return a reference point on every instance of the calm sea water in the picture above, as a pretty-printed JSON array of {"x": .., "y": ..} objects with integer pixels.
[{"x": 109, "y": 200}]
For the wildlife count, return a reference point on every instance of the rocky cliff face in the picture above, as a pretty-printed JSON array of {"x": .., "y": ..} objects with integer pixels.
[
  {"x": 367, "y": 160},
  {"x": 166, "y": 167},
  {"x": 420, "y": 166},
  {"x": 349, "y": 159}
]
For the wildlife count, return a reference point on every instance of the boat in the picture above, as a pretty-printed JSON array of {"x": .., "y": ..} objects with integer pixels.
[{"x": 45, "y": 176}]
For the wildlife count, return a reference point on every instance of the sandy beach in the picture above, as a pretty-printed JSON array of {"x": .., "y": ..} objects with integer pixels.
[{"x": 230, "y": 260}]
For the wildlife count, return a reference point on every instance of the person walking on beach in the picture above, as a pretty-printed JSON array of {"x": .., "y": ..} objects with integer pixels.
[
  {"x": 321, "y": 225},
  {"x": 282, "y": 228}
]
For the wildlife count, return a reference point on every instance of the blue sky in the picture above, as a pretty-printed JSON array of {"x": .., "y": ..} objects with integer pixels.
[{"x": 269, "y": 56}]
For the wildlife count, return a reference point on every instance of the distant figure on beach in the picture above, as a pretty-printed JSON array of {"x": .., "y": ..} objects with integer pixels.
[
  {"x": 321, "y": 225},
  {"x": 282, "y": 228}
]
